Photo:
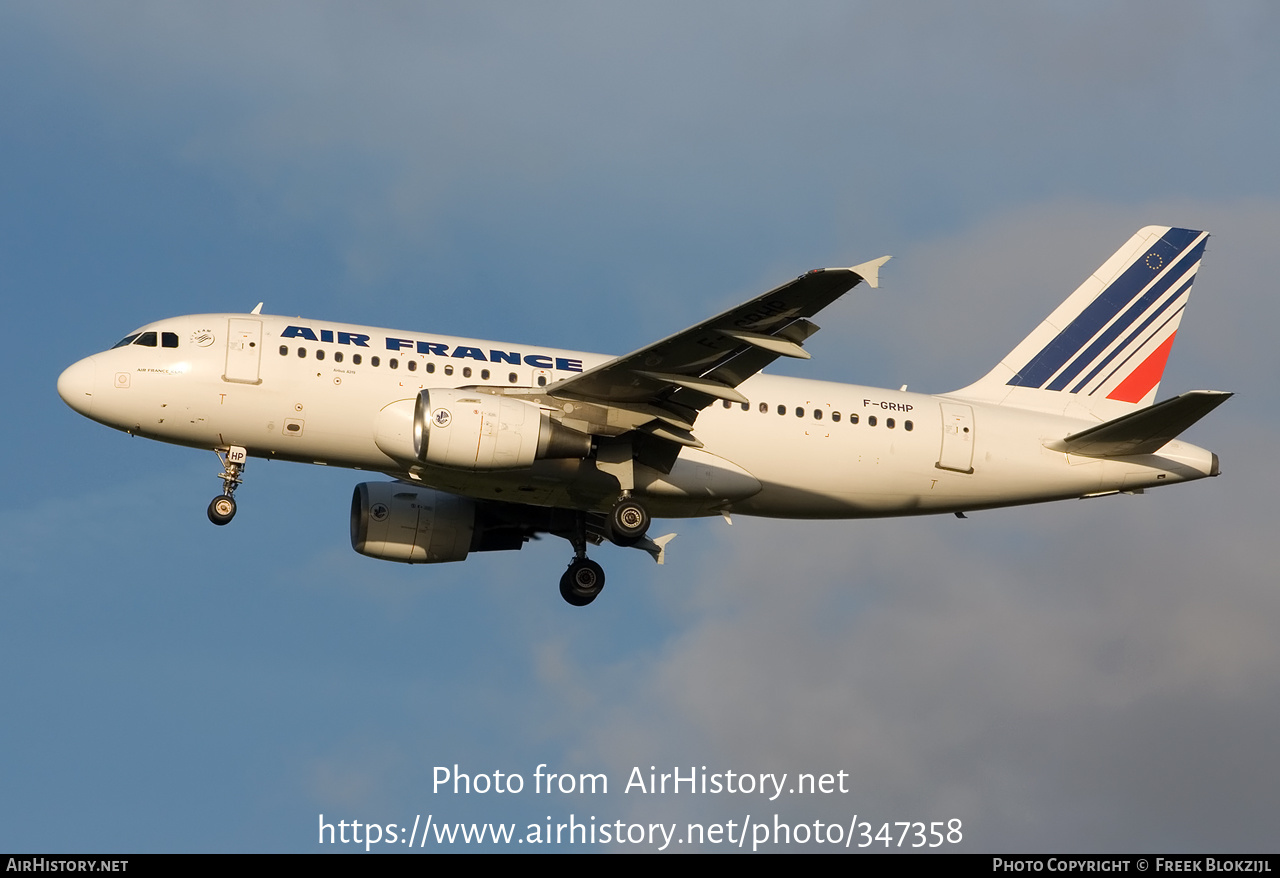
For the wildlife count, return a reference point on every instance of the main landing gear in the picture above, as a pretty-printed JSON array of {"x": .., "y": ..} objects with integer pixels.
[
  {"x": 625, "y": 525},
  {"x": 581, "y": 582},
  {"x": 223, "y": 507},
  {"x": 628, "y": 520},
  {"x": 585, "y": 578}
]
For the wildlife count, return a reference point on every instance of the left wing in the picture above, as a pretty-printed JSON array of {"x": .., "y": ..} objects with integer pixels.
[{"x": 673, "y": 379}]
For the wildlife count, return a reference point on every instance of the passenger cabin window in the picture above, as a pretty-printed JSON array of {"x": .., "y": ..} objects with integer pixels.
[
  {"x": 337, "y": 356},
  {"x": 320, "y": 354},
  {"x": 817, "y": 414},
  {"x": 871, "y": 420},
  {"x": 448, "y": 370},
  {"x": 284, "y": 350},
  {"x": 431, "y": 367},
  {"x": 375, "y": 362},
  {"x": 355, "y": 358},
  {"x": 412, "y": 365}
]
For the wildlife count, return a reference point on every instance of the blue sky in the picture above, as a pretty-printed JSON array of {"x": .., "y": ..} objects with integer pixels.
[{"x": 1086, "y": 676}]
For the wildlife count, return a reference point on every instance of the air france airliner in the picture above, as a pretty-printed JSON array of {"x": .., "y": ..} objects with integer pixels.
[{"x": 488, "y": 444}]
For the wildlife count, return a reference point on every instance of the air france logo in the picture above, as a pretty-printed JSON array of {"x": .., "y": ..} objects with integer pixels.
[
  {"x": 379, "y": 512},
  {"x": 441, "y": 417},
  {"x": 437, "y": 349}
]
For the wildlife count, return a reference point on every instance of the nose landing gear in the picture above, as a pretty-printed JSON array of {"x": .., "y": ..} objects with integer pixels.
[{"x": 223, "y": 507}]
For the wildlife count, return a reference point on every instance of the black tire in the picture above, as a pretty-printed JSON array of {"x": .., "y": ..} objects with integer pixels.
[
  {"x": 222, "y": 509},
  {"x": 582, "y": 582},
  {"x": 628, "y": 522}
]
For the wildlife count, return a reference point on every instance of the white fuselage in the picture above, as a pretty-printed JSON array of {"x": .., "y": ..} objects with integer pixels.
[{"x": 299, "y": 390}]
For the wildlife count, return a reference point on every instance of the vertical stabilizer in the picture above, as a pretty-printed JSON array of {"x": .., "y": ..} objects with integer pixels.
[{"x": 1103, "y": 351}]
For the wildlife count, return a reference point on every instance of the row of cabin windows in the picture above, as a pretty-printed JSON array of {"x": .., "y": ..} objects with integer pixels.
[
  {"x": 149, "y": 340},
  {"x": 411, "y": 365},
  {"x": 818, "y": 415}
]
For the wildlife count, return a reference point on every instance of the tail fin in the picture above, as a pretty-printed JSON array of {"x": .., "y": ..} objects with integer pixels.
[{"x": 1102, "y": 353}]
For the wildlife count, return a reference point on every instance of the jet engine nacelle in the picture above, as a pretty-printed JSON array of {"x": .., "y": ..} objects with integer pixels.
[
  {"x": 480, "y": 431},
  {"x": 395, "y": 521}
]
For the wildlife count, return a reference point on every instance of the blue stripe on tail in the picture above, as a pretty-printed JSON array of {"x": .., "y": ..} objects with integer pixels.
[{"x": 1175, "y": 245}]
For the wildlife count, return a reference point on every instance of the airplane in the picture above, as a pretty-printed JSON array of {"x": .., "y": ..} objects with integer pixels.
[{"x": 489, "y": 444}]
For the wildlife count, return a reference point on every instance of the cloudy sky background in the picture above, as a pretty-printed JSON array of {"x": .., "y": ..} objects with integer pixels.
[{"x": 1087, "y": 676}]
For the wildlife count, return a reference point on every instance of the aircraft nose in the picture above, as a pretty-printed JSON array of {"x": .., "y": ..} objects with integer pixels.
[{"x": 75, "y": 385}]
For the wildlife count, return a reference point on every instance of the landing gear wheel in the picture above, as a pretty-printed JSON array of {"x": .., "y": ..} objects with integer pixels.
[
  {"x": 627, "y": 522},
  {"x": 581, "y": 582},
  {"x": 222, "y": 509}
]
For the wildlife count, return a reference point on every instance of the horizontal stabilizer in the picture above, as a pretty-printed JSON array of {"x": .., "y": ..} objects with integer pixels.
[{"x": 1144, "y": 431}]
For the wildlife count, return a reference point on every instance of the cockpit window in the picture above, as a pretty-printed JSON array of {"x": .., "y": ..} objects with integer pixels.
[
  {"x": 127, "y": 340},
  {"x": 169, "y": 339},
  {"x": 147, "y": 339}
]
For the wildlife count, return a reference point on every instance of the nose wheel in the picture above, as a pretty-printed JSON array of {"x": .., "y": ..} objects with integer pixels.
[{"x": 223, "y": 507}]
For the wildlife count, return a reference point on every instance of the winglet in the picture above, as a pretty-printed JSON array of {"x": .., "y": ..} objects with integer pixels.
[
  {"x": 870, "y": 271},
  {"x": 657, "y": 548}
]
